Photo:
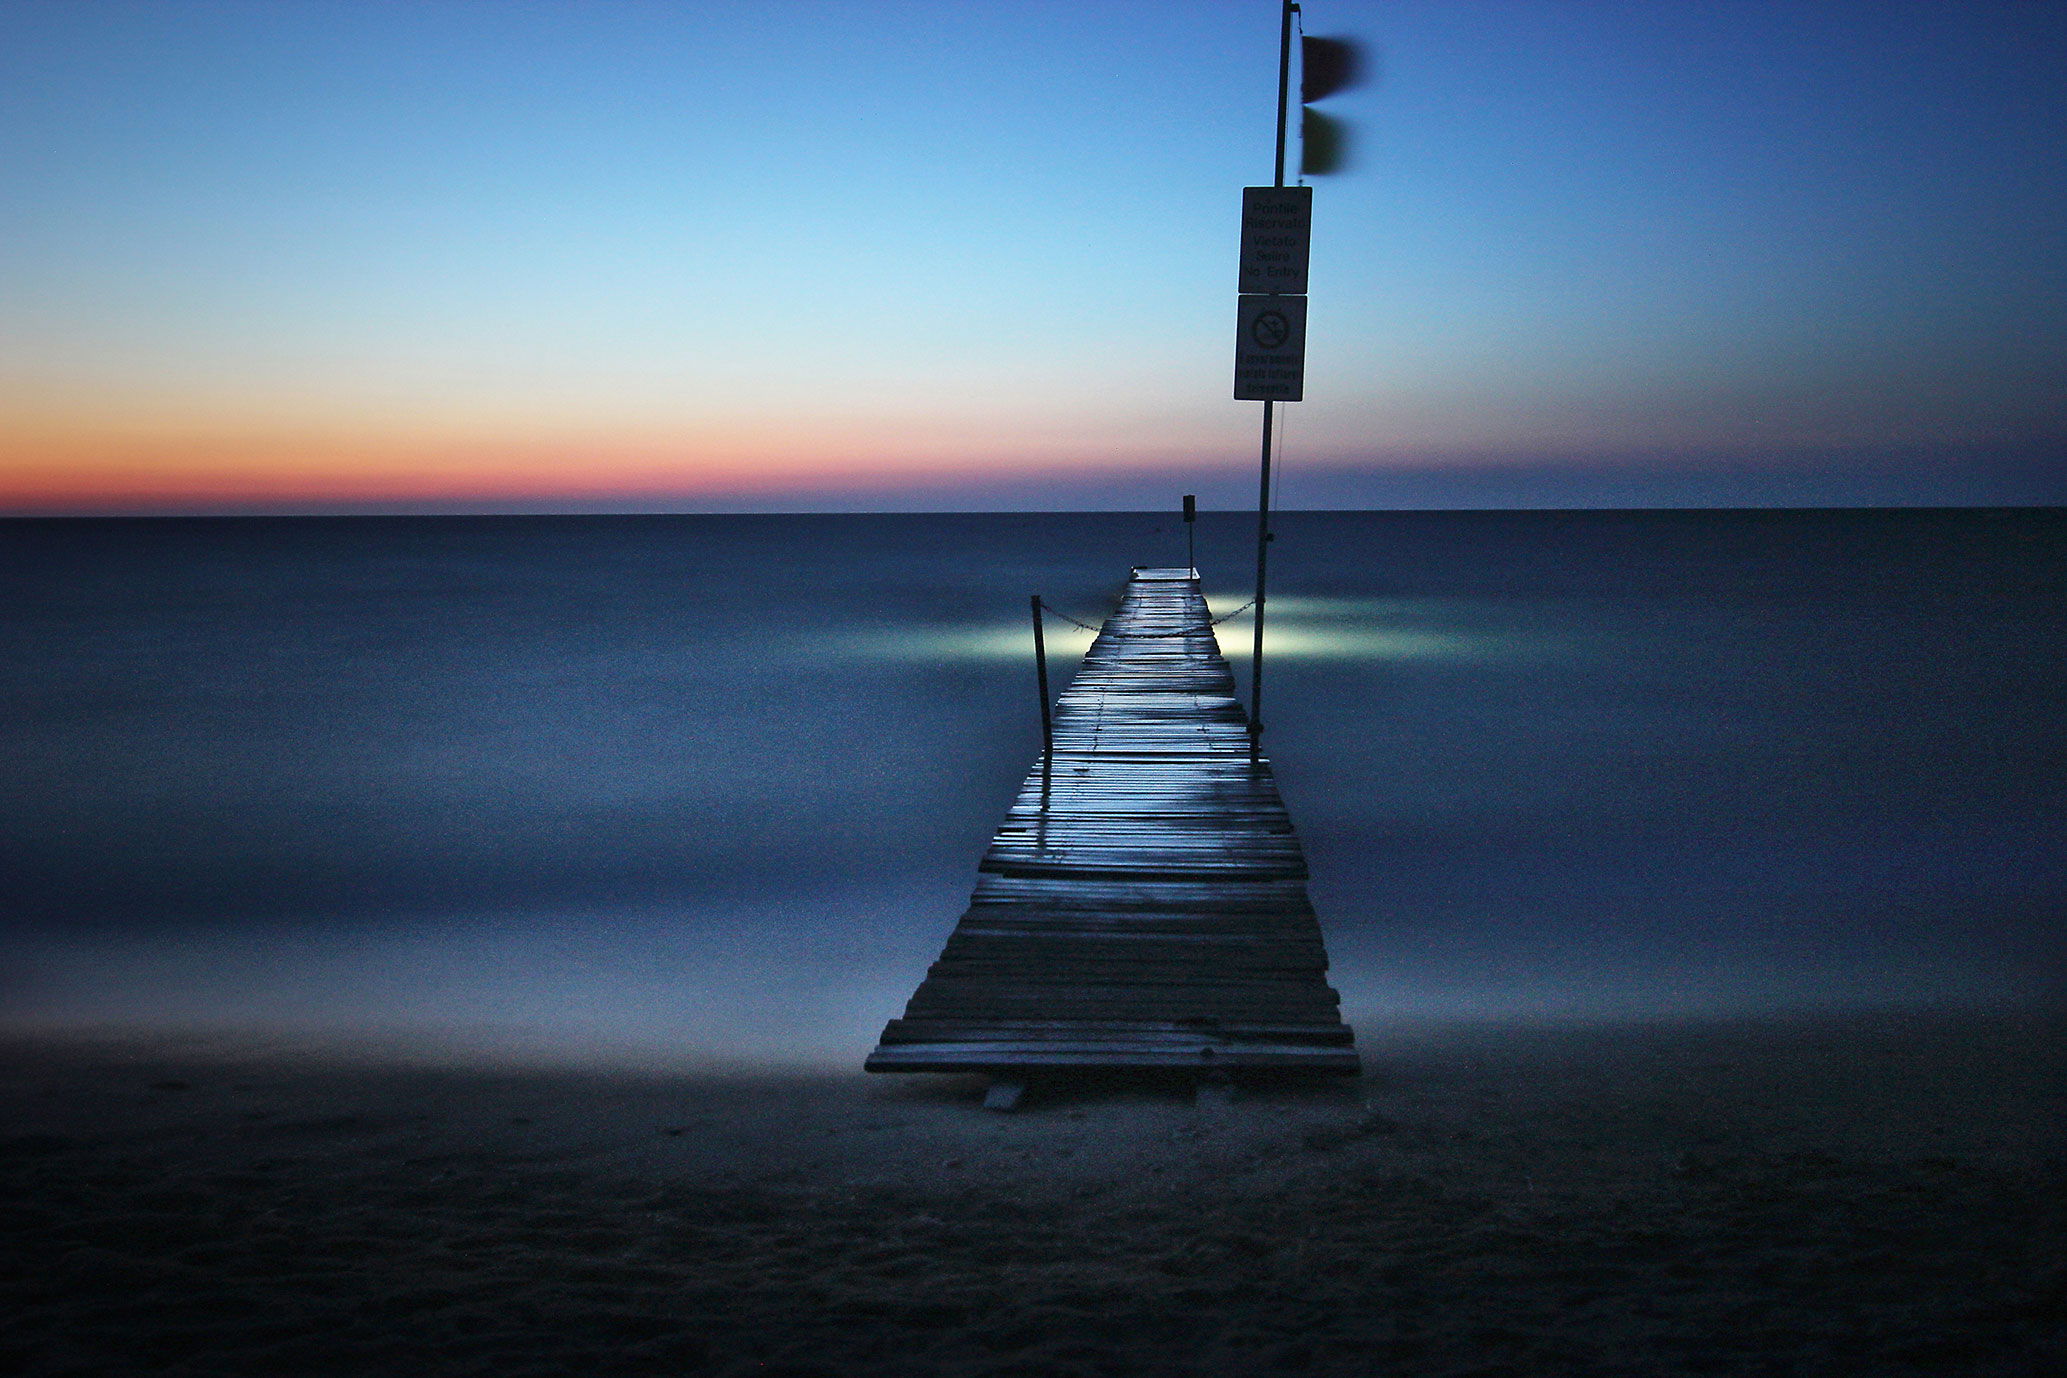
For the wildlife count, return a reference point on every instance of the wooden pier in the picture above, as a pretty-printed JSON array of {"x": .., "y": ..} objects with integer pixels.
[{"x": 1144, "y": 904}]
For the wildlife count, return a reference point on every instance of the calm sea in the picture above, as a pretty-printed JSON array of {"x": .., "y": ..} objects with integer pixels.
[{"x": 663, "y": 788}]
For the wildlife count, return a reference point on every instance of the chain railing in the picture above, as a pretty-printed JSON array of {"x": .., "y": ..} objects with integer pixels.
[{"x": 1146, "y": 636}]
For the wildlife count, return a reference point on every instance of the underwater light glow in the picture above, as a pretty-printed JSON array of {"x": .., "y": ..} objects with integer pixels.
[{"x": 1293, "y": 632}]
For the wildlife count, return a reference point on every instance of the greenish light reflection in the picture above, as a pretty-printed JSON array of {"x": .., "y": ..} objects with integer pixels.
[
  {"x": 1353, "y": 609},
  {"x": 1318, "y": 629},
  {"x": 986, "y": 641}
]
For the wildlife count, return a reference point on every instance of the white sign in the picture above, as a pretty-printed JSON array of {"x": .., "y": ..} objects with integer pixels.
[
  {"x": 1277, "y": 228},
  {"x": 1270, "y": 349}
]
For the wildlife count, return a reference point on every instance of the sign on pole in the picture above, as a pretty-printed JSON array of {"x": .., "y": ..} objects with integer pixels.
[
  {"x": 1277, "y": 229},
  {"x": 1270, "y": 349}
]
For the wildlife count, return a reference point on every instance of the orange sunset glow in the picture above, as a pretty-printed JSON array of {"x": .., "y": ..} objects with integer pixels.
[{"x": 268, "y": 258}]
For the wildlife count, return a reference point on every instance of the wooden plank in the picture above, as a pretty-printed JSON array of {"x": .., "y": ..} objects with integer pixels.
[{"x": 1143, "y": 904}]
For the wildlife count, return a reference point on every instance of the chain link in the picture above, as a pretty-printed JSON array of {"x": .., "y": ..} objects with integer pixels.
[
  {"x": 1081, "y": 626},
  {"x": 1150, "y": 636}
]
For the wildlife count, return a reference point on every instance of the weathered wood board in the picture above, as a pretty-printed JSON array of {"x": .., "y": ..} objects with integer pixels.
[{"x": 1144, "y": 903}]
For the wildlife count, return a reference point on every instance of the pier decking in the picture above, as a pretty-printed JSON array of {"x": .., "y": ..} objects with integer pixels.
[{"x": 1144, "y": 903}]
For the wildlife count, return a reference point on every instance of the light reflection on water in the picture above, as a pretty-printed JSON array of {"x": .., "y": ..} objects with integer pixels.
[{"x": 1351, "y": 630}]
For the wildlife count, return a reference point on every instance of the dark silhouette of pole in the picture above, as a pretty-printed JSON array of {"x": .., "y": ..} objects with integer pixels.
[
  {"x": 1191, "y": 518},
  {"x": 1262, "y": 570},
  {"x": 1284, "y": 80},
  {"x": 1263, "y": 488},
  {"x": 1041, "y": 673}
]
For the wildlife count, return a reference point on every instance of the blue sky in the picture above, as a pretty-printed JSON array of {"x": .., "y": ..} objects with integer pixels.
[{"x": 429, "y": 255}]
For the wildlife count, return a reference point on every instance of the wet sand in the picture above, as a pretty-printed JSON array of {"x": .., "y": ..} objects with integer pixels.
[{"x": 1871, "y": 1196}]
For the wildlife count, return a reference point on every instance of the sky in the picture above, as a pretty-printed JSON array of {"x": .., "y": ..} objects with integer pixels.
[{"x": 551, "y": 255}]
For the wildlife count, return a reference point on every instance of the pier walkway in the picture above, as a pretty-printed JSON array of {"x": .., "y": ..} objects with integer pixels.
[{"x": 1144, "y": 904}]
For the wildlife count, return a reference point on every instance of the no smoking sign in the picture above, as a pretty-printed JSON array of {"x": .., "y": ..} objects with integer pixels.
[{"x": 1270, "y": 349}]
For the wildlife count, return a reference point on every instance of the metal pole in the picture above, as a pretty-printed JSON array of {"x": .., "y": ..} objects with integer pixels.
[
  {"x": 1284, "y": 80},
  {"x": 1262, "y": 569},
  {"x": 1263, "y": 489},
  {"x": 1191, "y": 517},
  {"x": 1041, "y": 670}
]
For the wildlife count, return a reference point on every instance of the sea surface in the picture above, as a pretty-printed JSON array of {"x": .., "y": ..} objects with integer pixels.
[{"x": 697, "y": 789}]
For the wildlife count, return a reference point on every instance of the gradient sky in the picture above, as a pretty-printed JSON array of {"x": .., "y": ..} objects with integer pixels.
[{"x": 483, "y": 254}]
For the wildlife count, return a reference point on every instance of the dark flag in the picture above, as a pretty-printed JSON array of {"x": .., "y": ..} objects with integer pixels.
[
  {"x": 1323, "y": 144},
  {"x": 1327, "y": 65}
]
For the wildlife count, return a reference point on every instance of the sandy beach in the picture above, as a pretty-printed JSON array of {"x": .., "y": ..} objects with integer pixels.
[{"x": 1880, "y": 1195}]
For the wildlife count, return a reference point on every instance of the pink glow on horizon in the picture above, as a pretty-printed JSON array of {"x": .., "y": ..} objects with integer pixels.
[{"x": 173, "y": 474}]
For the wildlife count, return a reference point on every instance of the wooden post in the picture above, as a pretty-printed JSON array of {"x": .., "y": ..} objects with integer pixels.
[{"x": 1041, "y": 672}]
